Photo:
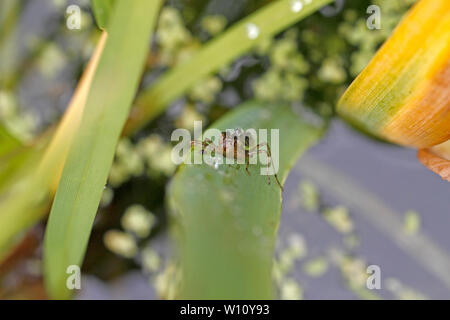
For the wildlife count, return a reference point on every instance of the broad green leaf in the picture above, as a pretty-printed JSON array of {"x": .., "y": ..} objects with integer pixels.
[
  {"x": 226, "y": 221},
  {"x": 102, "y": 11},
  {"x": 92, "y": 150}
]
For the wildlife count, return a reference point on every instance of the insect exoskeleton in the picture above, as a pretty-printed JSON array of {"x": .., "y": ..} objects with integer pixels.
[{"x": 240, "y": 145}]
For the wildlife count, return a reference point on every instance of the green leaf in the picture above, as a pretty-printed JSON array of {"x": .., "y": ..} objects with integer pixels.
[
  {"x": 102, "y": 10},
  {"x": 226, "y": 221},
  {"x": 92, "y": 150}
]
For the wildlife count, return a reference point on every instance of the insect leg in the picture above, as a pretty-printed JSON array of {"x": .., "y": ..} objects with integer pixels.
[
  {"x": 203, "y": 144},
  {"x": 256, "y": 152},
  {"x": 246, "y": 166},
  {"x": 268, "y": 153},
  {"x": 198, "y": 143}
]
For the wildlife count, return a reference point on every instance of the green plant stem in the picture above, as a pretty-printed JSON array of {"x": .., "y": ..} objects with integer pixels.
[
  {"x": 269, "y": 20},
  {"x": 8, "y": 39}
]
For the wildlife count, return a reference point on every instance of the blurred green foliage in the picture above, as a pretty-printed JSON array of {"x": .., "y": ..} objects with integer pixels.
[{"x": 307, "y": 67}]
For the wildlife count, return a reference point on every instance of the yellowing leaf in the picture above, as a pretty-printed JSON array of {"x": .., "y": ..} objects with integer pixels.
[
  {"x": 35, "y": 191},
  {"x": 403, "y": 95},
  {"x": 437, "y": 159}
]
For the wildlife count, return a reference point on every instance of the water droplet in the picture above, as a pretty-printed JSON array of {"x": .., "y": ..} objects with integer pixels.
[
  {"x": 252, "y": 30},
  {"x": 296, "y": 5}
]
